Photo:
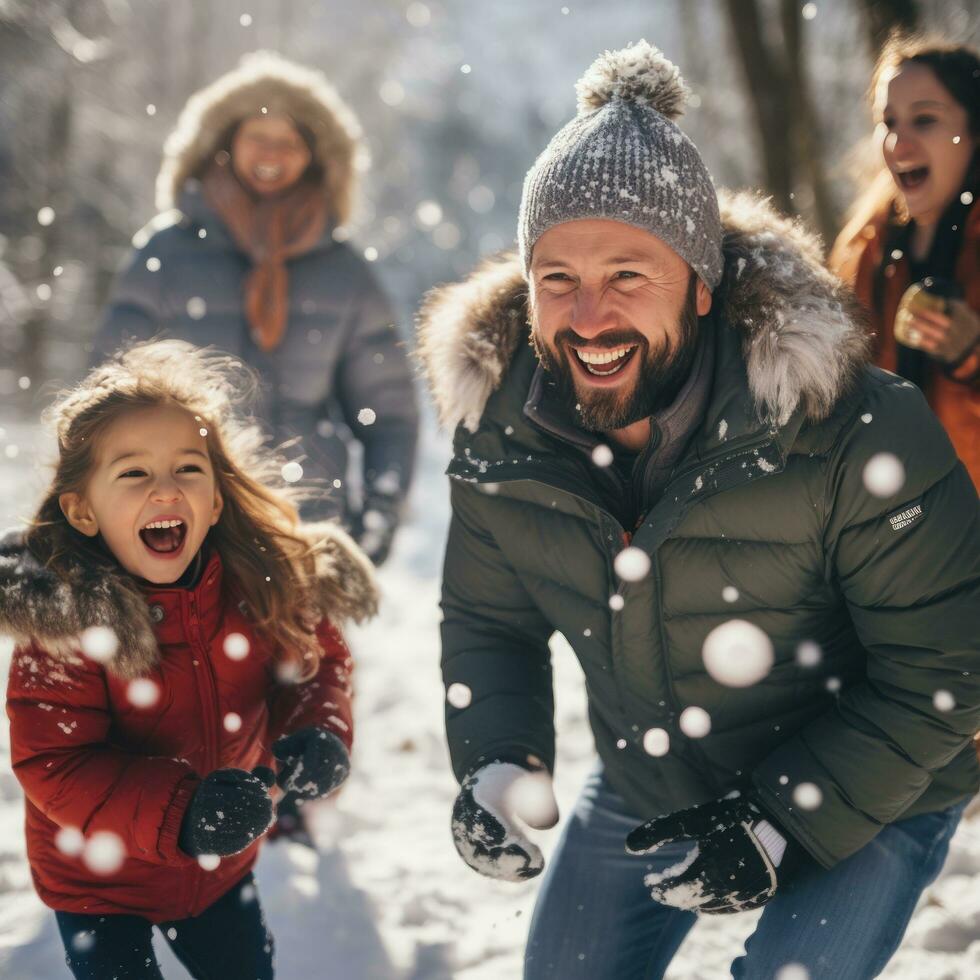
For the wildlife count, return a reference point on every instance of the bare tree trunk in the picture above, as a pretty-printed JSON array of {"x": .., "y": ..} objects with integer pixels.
[
  {"x": 52, "y": 176},
  {"x": 284, "y": 25},
  {"x": 883, "y": 16},
  {"x": 198, "y": 36},
  {"x": 806, "y": 125},
  {"x": 767, "y": 85}
]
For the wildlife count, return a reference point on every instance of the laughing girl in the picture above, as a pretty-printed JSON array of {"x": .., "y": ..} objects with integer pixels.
[{"x": 176, "y": 631}]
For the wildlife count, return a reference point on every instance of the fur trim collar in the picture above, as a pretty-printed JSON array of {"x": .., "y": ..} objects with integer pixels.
[
  {"x": 263, "y": 79},
  {"x": 802, "y": 334},
  {"x": 36, "y": 606}
]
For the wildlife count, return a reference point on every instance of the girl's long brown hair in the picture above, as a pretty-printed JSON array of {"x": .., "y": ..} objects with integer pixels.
[{"x": 268, "y": 561}]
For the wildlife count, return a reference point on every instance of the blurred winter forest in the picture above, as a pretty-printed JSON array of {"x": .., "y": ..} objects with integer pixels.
[{"x": 456, "y": 99}]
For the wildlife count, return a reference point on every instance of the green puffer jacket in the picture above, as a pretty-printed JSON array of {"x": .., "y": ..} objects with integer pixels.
[{"x": 768, "y": 499}]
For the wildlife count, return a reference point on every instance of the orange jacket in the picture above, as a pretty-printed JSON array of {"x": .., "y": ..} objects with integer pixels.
[
  {"x": 855, "y": 257},
  {"x": 90, "y": 758}
]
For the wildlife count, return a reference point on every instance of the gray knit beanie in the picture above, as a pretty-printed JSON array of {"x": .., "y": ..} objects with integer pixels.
[{"x": 622, "y": 157}]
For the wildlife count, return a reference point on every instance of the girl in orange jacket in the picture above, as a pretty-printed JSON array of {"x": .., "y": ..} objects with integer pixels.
[{"x": 919, "y": 223}]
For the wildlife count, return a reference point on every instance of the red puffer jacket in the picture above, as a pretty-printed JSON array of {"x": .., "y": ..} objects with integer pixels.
[{"x": 97, "y": 748}]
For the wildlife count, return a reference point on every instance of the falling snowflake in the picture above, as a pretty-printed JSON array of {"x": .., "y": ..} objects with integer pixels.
[
  {"x": 695, "y": 722},
  {"x": 459, "y": 695},
  {"x": 197, "y": 308},
  {"x": 236, "y": 646},
  {"x": 70, "y": 841},
  {"x": 99, "y": 643},
  {"x": 417, "y": 14},
  {"x": 232, "y": 722},
  {"x": 737, "y": 653},
  {"x": 428, "y": 214},
  {"x": 209, "y": 862},
  {"x": 292, "y": 472},
  {"x": 884, "y": 475},
  {"x": 793, "y": 971},
  {"x": 807, "y": 796},
  {"x": 366, "y": 416},
  {"x": 602, "y": 455},
  {"x": 943, "y": 701},
  {"x": 142, "y": 693},
  {"x": 632, "y": 564},
  {"x": 656, "y": 742},
  {"x": 729, "y": 593},
  {"x": 104, "y": 853},
  {"x": 616, "y": 602},
  {"x": 808, "y": 654}
]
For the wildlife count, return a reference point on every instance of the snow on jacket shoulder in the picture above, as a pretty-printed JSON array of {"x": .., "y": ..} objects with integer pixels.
[
  {"x": 119, "y": 745},
  {"x": 767, "y": 519}
]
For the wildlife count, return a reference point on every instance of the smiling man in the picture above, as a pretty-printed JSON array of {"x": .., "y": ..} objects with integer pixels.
[{"x": 764, "y": 553}]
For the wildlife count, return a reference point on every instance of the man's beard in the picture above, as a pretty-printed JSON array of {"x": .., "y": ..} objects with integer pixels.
[{"x": 660, "y": 376}]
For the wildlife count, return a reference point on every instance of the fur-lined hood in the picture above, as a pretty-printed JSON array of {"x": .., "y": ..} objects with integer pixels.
[
  {"x": 802, "y": 334},
  {"x": 264, "y": 80},
  {"x": 36, "y": 606}
]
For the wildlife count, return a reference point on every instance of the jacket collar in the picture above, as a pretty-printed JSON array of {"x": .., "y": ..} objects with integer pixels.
[
  {"x": 172, "y": 608},
  {"x": 193, "y": 209},
  {"x": 39, "y": 607},
  {"x": 799, "y": 336}
]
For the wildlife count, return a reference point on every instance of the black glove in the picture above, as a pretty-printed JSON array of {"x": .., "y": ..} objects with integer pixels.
[
  {"x": 486, "y": 830},
  {"x": 727, "y": 870},
  {"x": 374, "y": 529},
  {"x": 313, "y": 762},
  {"x": 228, "y": 810}
]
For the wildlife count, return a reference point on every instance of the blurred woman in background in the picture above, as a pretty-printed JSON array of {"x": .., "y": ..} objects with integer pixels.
[
  {"x": 912, "y": 247},
  {"x": 248, "y": 254}
]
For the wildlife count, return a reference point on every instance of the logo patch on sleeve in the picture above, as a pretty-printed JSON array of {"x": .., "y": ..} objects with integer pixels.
[{"x": 901, "y": 519}]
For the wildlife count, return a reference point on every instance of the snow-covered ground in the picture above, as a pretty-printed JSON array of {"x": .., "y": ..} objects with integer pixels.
[{"x": 386, "y": 897}]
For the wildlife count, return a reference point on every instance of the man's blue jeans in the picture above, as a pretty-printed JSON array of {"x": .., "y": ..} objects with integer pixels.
[{"x": 595, "y": 919}]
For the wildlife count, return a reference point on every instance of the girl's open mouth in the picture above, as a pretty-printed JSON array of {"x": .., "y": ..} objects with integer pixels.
[
  {"x": 165, "y": 537},
  {"x": 911, "y": 179}
]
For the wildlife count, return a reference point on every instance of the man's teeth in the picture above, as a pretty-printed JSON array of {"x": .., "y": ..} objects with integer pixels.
[
  {"x": 267, "y": 173},
  {"x": 161, "y": 524},
  {"x": 605, "y": 357}
]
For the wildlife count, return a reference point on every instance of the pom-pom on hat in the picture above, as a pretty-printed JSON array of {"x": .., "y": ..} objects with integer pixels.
[{"x": 622, "y": 157}]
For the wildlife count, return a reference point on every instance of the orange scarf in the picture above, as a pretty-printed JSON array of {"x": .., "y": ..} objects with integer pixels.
[{"x": 269, "y": 231}]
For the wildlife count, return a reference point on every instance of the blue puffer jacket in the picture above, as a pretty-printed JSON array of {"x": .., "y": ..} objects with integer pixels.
[{"x": 341, "y": 368}]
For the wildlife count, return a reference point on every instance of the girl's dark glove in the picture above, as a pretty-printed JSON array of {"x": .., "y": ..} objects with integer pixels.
[
  {"x": 727, "y": 869},
  {"x": 313, "y": 762},
  {"x": 228, "y": 811}
]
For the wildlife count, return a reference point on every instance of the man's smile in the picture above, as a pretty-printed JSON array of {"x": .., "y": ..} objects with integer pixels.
[{"x": 596, "y": 366}]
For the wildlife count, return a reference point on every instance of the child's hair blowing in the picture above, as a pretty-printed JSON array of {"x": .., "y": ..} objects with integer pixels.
[{"x": 270, "y": 562}]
